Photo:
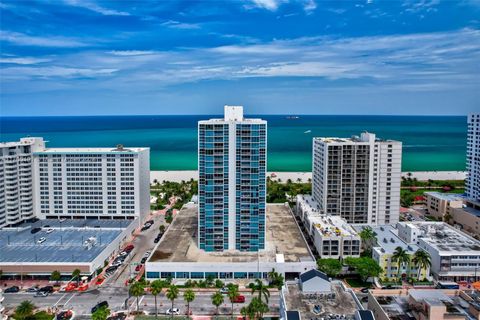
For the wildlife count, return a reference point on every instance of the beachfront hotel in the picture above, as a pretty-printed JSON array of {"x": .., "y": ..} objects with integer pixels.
[
  {"x": 357, "y": 178},
  {"x": 16, "y": 193},
  {"x": 107, "y": 183},
  {"x": 232, "y": 155},
  {"x": 473, "y": 157}
]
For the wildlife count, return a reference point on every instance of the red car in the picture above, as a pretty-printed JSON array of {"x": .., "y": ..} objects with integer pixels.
[
  {"x": 239, "y": 299},
  {"x": 129, "y": 248},
  {"x": 139, "y": 267}
]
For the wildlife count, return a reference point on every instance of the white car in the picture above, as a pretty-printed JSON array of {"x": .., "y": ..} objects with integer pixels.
[
  {"x": 173, "y": 311},
  {"x": 50, "y": 230},
  {"x": 41, "y": 240},
  {"x": 147, "y": 254}
]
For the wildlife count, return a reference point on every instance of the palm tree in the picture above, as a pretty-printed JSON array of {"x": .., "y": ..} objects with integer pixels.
[
  {"x": 262, "y": 289},
  {"x": 217, "y": 300},
  {"x": 24, "y": 310},
  {"x": 136, "y": 290},
  {"x": 244, "y": 312},
  {"x": 156, "y": 288},
  {"x": 232, "y": 293},
  {"x": 368, "y": 236},
  {"x": 172, "y": 293},
  {"x": 55, "y": 276},
  {"x": 76, "y": 275},
  {"x": 188, "y": 296},
  {"x": 258, "y": 307},
  {"x": 101, "y": 314},
  {"x": 422, "y": 260},
  {"x": 400, "y": 256}
]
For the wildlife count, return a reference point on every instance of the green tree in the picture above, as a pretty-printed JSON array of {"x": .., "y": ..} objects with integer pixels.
[
  {"x": 55, "y": 276},
  {"x": 261, "y": 288},
  {"x": 101, "y": 313},
  {"x": 161, "y": 228},
  {"x": 76, "y": 275},
  {"x": 137, "y": 289},
  {"x": 258, "y": 307},
  {"x": 172, "y": 293},
  {"x": 217, "y": 300},
  {"x": 422, "y": 260},
  {"x": 368, "y": 237},
  {"x": 232, "y": 293},
  {"x": 275, "y": 279},
  {"x": 188, "y": 296},
  {"x": 156, "y": 288},
  {"x": 365, "y": 267},
  {"x": 330, "y": 266},
  {"x": 400, "y": 256},
  {"x": 24, "y": 310}
]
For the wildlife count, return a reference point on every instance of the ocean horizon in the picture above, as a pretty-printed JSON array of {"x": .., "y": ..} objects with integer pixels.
[{"x": 430, "y": 143}]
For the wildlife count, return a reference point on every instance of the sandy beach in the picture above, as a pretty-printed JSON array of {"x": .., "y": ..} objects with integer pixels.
[{"x": 178, "y": 176}]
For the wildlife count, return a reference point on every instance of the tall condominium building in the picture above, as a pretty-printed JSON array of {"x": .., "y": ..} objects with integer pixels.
[
  {"x": 232, "y": 154},
  {"x": 358, "y": 178},
  {"x": 16, "y": 193},
  {"x": 473, "y": 157},
  {"x": 101, "y": 183}
]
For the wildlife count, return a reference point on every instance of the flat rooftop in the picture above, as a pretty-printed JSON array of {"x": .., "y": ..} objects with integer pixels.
[
  {"x": 179, "y": 244},
  {"x": 64, "y": 244},
  {"x": 339, "y": 303},
  {"x": 90, "y": 150},
  {"x": 388, "y": 240},
  {"x": 445, "y": 196},
  {"x": 445, "y": 238}
]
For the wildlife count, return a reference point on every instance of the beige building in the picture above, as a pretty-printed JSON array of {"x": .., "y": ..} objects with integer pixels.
[
  {"x": 440, "y": 204},
  {"x": 423, "y": 305},
  {"x": 467, "y": 218}
]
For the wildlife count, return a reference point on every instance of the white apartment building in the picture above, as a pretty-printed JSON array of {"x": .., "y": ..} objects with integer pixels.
[
  {"x": 358, "y": 178},
  {"x": 473, "y": 157},
  {"x": 16, "y": 178},
  {"x": 105, "y": 183},
  {"x": 455, "y": 256},
  {"x": 332, "y": 236}
]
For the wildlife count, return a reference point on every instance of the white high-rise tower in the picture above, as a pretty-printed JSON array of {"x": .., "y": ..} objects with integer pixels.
[{"x": 473, "y": 158}]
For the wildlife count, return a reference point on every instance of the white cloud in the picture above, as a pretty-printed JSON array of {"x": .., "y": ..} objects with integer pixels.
[
  {"x": 95, "y": 8},
  {"x": 180, "y": 25},
  {"x": 131, "y": 52},
  {"x": 53, "y": 71},
  {"x": 26, "y": 40},
  {"x": 271, "y": 5},
  {"x": 309, "y": 6},
  {"x": 22, "y": 60}
]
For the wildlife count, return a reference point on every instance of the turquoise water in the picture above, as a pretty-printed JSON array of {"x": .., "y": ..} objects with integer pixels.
[{"x": 429, "y": 143}]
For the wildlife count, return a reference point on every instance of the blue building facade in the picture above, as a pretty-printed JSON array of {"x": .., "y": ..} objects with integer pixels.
[{"x": 232, "y": 182}]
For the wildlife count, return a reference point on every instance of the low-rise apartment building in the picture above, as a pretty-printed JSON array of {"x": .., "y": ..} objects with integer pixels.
[
  {"x": 455, "y": 256},
  {"x": 387, "y": 240},
  {"x": 332, "y": 236},
  {"x": 467, "y": 218},
  {"x": 440, "y": 204}
]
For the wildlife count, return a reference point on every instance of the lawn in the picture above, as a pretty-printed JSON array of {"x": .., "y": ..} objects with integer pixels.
[{"x": 357, "y": 283}]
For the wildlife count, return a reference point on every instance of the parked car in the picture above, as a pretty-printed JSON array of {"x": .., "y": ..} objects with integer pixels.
[
  {"x": 32, "y": 289},
  {"x": 145, "y": 227},
  {"x": 239, "y": 299},
  {"x": 138, "y": 267},
  {"x": 117, "y": 263},
  {"x": 48, "y": 289},
  {"x": 144, "y": 259},
  {"x": 35, "y": 230},
  {"x": 111, "y": 269},
  {"x": 50, "y": 230},
  {"x": 129, "y": 248},
  {"x": 224, "y": 290},
  {"x": 173, "y": 311},
  {"x": 364, "y": 290},
  {"x": 12, "y": 289},
  {"x": 99, "y": 305},
  {"x": 123, "y": 253},
  {"x": 65, "y": 315},
  {"x": 156, "y": 240},
  {"x": 147, "y": 254},
  {"x": 41, "y": 240},
  {"x": 41, "y": 294}
]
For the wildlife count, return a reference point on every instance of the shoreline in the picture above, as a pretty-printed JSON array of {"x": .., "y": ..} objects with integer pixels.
[{"x": 179, "y": 175}]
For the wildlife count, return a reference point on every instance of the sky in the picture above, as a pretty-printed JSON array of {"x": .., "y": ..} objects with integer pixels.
[{"x": 91, "y": 57}]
